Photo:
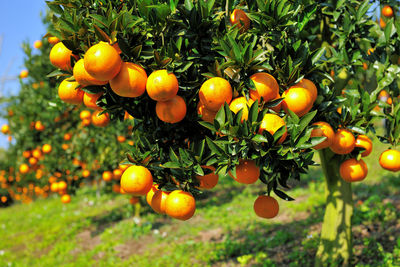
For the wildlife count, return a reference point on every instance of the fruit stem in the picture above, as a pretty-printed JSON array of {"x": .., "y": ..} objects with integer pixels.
[{"x": 336, "y": 237}]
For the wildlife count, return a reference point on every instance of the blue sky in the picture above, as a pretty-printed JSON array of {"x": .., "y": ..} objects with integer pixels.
[{"x": 20, "y": 21}]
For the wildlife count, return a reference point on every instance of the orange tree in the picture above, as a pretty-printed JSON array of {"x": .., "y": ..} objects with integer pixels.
[{"x": 245, "y": 88}]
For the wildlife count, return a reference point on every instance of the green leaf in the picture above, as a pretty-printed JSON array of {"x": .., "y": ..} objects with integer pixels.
[
  {"x": 214, "y": 147},
  {"x": 171, "y": 165}
]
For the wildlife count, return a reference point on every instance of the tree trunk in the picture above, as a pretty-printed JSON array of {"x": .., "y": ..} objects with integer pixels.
[{"x": 335, "y": 248}]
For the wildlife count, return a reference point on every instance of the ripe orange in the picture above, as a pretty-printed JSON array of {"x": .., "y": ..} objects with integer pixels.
[
  {"x": 66, "y": 198},
  {"x": 387, "y": 11},
  {"x": 117, "y": 173},
  {"x": 247, "y": 172},
  {"x": 53, "y": 40},
  {"x": 383, "y": 95},
  {"x": 37, "y": 44},
  {"x": 309, "y": 86},
  {"x": 365, "y": 66},
  {"x": 240, "y": 20},
  {"x": 134, "y": 200},
  {"x": 382, "y": 23},
  {"x": 67, "y": 136},
  {"x": 65, "y": 146},
  {"x": 205, "y": 114},
  {"x": 158, "y": 201},
  {"x": 26, "y": 154},
  {"x": 39, "y": 126},
  {"x": 266, "y": 87},
  {"x": 102, "y": 61},
  {"x": 353, "y": 170},
  {"x": 241, "y": 103},
  {"x": 137, "y": 180},
  {"x": 4, "y": 199},
  {"x": 85, "y": 173},
  {"x": 23, "y": 74},
  {"x": 390, "y": 160},
  {"x": 272, "y": 123},
  {"x": 121, "y": 138},
  {"x": 324, "y": 130},
  {"x": 363, "y": 141},
  {"x": 90, "y": 100},
  {"x": 130, "y": 81},
  {"x": 107, "y": 176},
  {"x": 5, "y": 129},
  {"x": 54, "y": 187},
  {"x": 298, "y": 100},
  {"x": 24, "y": 168},
  {"x": 208, "y": 181},
  {"x": 370, "y": 51},
  {"x": 46, "y": 148},
  {"x": 100, "y": 120},
  {"x": 85, "y": 114},
  {"x": 389, "y": 101},
  {"x": 60, "y": 56},
  {"x": 266, "y": 207},
  {"x": 70, "y": 93},
  {"x": 83, "y": 77},
  {"x": 343, "y": 142},
  {"x": 172, "y": 110},
  {"x": 215, "y": 92},
  {"x": 161, "y": 85},
  {"x": 62, "y": 186},
  {"x": 37, "y": 153},
  {"x": 128, "y": 116},
  {"x": 180, "y": 205},
  {"x": 150, "y": 194}
]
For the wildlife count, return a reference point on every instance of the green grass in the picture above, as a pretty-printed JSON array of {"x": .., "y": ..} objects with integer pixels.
[{"x": 224, "y": 231}]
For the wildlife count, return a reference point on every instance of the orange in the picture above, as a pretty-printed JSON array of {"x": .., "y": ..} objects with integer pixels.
[
  {"x": 137, "y": 180},
  {"x": 215, "y": 92},
  {"x": 205, "y": 114},
  {"x": 382, "y": 23},
  {"x": 39, "y": 126},
  {"x": 370, "y": 51},
  {"x": 365, "y": 66},
  {"x": 161, "y": 85},
  {"x": 266, "y": 87},
  {"x": 37, "y": 153},
  {"x": 353, "y": 170},
  {"x": 24, "y": 168},
  {"x": 389, "y": 101},
  {"x": 3, "y": 199},
  {"x": 5, "y": 129},
  {"x": 65, "y": 146},
  {"x": 272, "y": 123},
  {"x": 240, "y": 103},
  {"x": 100, "y": 120},
  {"x": 150, "y": 194},
  {"x": 134, "y": 200},
  {"x": 70, "y": 93},
  {"x": 309, "y": 86},
  {"x": 324, "y": 130},
  {"x": 247, "y": 172},
  {"x": 390, "y": 160},
  {"x": 46, "y": 148},
  {"x": 86, "y": 122},
  {"x": 121, "y": 138},
  {"x": 240, "y": 20},
  {"x": 85, "y": 173},
  {"x": 117, "y": 174},
  {"x": 387, "y": 11},
  {"x": 298, "y": 100},
  {"x": 67, "y": 136},
  {"x": 90, "y": 100},
  {"x": 364, "y": 142},
  {"x": 85, "y": 114},
  {"x": 60, "y": 56},
  {"x": 54, "y": 187},
  {"x": 266, "y": 207},
  {"x": 208, "y": 181},
  {"x": 23, "y": 74},
  {"x": 343, "y": 142},
  {"x": 180, "y": 205},
  {"x": 62, "y": 186},
  {"x": 26, "y": 154},
  {"x": 37, "y": 44},
  {"x": 53, "y": 40},
  {"x": 158, "y": 201},
  {"x": 130, "y": 81},
  {"x": 172, "y": 110},
  {"x": 83, "y": 77},
  {"x": 107, "y": 176},
  {"x": 102, "y": 61},
  {"x": 128, "y": 116},
  {"x": 66, "y": 198},
  {"x": 383, "y": 95}
]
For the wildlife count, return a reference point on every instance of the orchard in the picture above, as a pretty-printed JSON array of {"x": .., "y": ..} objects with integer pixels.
[{"x": 163, "y": 101}]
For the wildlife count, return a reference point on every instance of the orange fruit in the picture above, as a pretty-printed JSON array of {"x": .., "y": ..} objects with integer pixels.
[
  {"x": 180, "y": 205},
  {"x": 382, "y": 23},
  {"x": 107, "y": 176},
  {"x": 100, "y": 120},
  {"x": 37, "y": 44},
  {"x": 23, "y": 74},
  {"x": 352, "y": 170},
  {"x": 383, "y": 95},
  {"x": 298, "y": 100},
  {"x": 215, "y": 92},
  {"x": 54, "y": 187},
  {"x": 90, "y": 100},
  {"x": 266, "y": 207},
  {"x": 24, "y": 168},
  {"x": 247, "y": 172},
  {"x": 3, "y": 199},
  {"x": 62, "y": 186},
  {"x": 130, "y": 81},
  {"x": 158, "y": 201},
  {"x": 39, "y": 126},
  {"x": 172, "y": 110},
  {"x": 241, "y": 103},
  {"x": 102, "y": 61},
  {"x": 26, "y": 154},
  {"x": 60, "y": 56},
  {"x": 387, "y": 11},
  {"x": 67, "y": 136},
  {"x": 70, "y": 93},
  {"x": 85, "y": 114},
  {"x": 208, "y": 181},
  {"x": 117, "y": 173},
  {"x": 309, "y": 86},
  {"x": 272, "y": 123},
  {"x": 240, "y": 20},
  {"x": 83, "y": 77},
  {"x": 37, "y": 153},
  {"x": 266, "y": 87},
  {"x": 53, "y": 40},
  {"x": 343, "y": 142},
  {"x": 205, "y": 114},
  {"x": 85, "y": 173},
  {"x": 86, "y": 122},
  {"x": 46, "y": 148},
  {"x": 66, "y": 198},
  {"x": 134, "y": 200},
  {"x": 65, "y": 146},
  {"x": 128, "y": 116},
  {"x": 324, "y": 130},
  {"x": 121, "y": 138},
  {"x": 390, "y": 160},
  {"x": 389, "y": 101},
  {"x": 363, "y": 141},
  {"x": 137, "y": 180},
  {"x": 370, "y": 51},
  {"x": 161, "y": 85},
  {"x": 365, "y": 66},
  {"x": 5, "y": 129},
  {"x": 150, "y": 194}
]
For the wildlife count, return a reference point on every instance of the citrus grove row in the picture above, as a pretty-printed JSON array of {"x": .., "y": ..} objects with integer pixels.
[{"x": 205, "y": 90}]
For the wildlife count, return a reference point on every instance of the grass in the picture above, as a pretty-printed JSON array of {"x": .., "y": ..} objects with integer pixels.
[{"x": 93, "y": 231}]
